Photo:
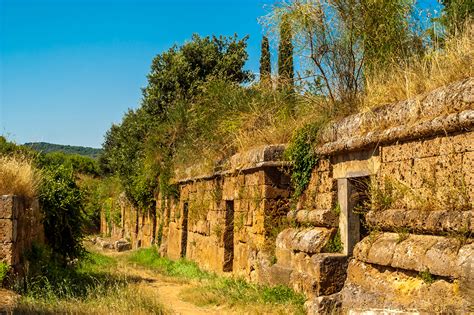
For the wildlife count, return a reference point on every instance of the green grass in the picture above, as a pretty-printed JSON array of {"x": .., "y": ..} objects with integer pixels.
[
  {"x": 218, "y": 290},
  {"x": 149, "y": 257},
  {"x": 92, "y": 286}
]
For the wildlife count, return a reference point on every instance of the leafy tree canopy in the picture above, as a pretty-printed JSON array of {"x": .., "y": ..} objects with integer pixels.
[{"x": 140, "y": 149}]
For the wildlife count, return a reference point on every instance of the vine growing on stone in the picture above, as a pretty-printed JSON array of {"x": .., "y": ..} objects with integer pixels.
[{"x": 302, "y": 156}]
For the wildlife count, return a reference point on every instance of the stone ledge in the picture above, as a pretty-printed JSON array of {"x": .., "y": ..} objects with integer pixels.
[
  {"x": 433, "y": 222},
  {"x": 441, "y": 256},
  {"x": 320, "y": 217},
  {"x": 446, "y": 110},
  {"x": 307, "y": 240},
  {"x": 371, "y": 287},
  {"x": 264, "y": 156}
]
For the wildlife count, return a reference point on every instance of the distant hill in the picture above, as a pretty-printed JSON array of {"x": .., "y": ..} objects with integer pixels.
[{"x": 70, "y": 149}]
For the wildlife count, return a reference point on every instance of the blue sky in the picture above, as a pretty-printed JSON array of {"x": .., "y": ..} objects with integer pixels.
[{"x": 70, "y": 68}]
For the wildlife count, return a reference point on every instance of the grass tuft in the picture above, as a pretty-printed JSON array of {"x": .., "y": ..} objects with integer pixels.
[
  {"x": 149, "y": 257},
  {"x": 420, "y": 74},
  {"x": 18, "y": 177}
]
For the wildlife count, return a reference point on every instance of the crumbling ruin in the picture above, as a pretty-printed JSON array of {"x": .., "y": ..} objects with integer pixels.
[
  {"x": 386, "y": 221},
  {"x": 20, "y": 227}
]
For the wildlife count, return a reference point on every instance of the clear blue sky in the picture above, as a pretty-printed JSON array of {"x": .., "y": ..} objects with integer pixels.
[{"x": 70, "y": 68}]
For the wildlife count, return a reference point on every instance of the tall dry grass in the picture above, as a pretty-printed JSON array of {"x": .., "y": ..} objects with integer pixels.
[
  {"x": 18, "y": 177},
  {"x": 437, "y": 67}
]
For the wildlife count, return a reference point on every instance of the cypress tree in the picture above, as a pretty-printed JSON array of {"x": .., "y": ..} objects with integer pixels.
[
  {"x": 265, "y": 65},
  {"x": 285, "y": 55}
]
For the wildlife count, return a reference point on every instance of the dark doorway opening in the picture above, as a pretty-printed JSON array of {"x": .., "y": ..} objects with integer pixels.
[
  {"x": 184, "y": 230},
  {"x": 229, "y": 236},
  {"x": 359, "y": 204}
]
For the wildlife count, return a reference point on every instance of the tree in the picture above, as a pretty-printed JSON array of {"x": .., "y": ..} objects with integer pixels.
[
  {"x": 285, "y": 55},
  {"x": 265, "y": 63},
  {"x": 178, "y": 73},
  {"x": 61, "y": 203},
  {"x": 455, "y": 14},
  {"x": 140, "y": 149}
]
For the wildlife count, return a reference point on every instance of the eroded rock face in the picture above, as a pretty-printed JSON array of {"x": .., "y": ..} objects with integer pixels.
[
  {"x": 122, "y": 245},
  {"x": 307, "y": 240},
  {"x": 442, "y": 256},
  {"x": 372, "y": 287},
  {"x": 433, "y": 222}
]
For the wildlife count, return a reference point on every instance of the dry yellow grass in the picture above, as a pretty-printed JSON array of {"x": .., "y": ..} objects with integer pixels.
[
  {"x": 438, "y": 67},
  {"x": 18, "y": 177}
]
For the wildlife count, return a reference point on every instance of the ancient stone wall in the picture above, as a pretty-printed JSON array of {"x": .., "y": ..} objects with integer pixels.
[
  {"x": 386, "y": 222},
  {"x": 20, "y": 226},
  {"x": 228, "y": 221},
  {"x": 396, "y": 185},
  {"x": 136, "y": 225}
]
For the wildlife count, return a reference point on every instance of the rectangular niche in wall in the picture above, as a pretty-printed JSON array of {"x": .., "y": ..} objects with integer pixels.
[
  {"x": 184, "y": 230},
  {"x": 229, "y": 236},
  {"x": 353, "y": 198}
]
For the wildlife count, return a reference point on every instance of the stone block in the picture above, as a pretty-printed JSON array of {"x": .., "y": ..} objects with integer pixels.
[
  {"x": 280, "y": 275},
  {"x": 326, "y": 183},
  {"x": 307, "y": 240},
  {"x": 331, "y": 269},
  {"x": 7, "y": 253},
  {"x": 320, "y": 274},
  {"x": 325, "y": 200},
  {"x": 122, "y": 245},
  {"x": 8, "y": 207},
  {"x": 426, "y": 148},
  {"x": 423, "y": 171},
  {"x": 457, "y": 144},
  {"x": 440, "y": 259},
  {"x": 8, "y": 230},
  {"x": 408, "y": 252},
  {"x": 433, "y": 222},
  {"x": 400, "y": 171},
  {"x": 322, "y": 305},
  {"x": 382, "y": 249},
  {"x": 381, "y": 289},
  {"x": 397, "y": 152},
  {"x": 326, "y": 217}
]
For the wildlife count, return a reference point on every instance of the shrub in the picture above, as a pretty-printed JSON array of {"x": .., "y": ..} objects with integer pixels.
[
  {"x": 4, "y": 268},
  {"x": 61, "y": 203}
]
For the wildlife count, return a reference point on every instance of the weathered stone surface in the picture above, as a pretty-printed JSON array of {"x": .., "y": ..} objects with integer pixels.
[
  {"x": 321, "y": 217},
  {"x": 308, "y": 240},
  {"x": 8, "y": 231},
  {"x": 8, "y": 209},
  {"x": 433, "y": 113},
  {"x": 279, "y": 275},
  {"x": 20, "y": 226},
  {"x": 441, "y": 256},
  {"x": 433, "y": 222},
  {"x": 383, "y": 248},
  {"x": 384, "y": 289},
  {"x": 122, "y": 245},
  {"x": 323, "y": 305},
  {"x": 105, "y": 244},
  {"x": 408, "y": 253}
]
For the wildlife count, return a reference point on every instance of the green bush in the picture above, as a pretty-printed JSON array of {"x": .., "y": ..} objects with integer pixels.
[
  {"x": 61, "y": 202},
  {"x": 4, "y": 268}
]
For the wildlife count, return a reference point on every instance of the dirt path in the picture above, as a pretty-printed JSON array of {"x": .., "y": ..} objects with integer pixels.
[{"x": 168, "y": 289}]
